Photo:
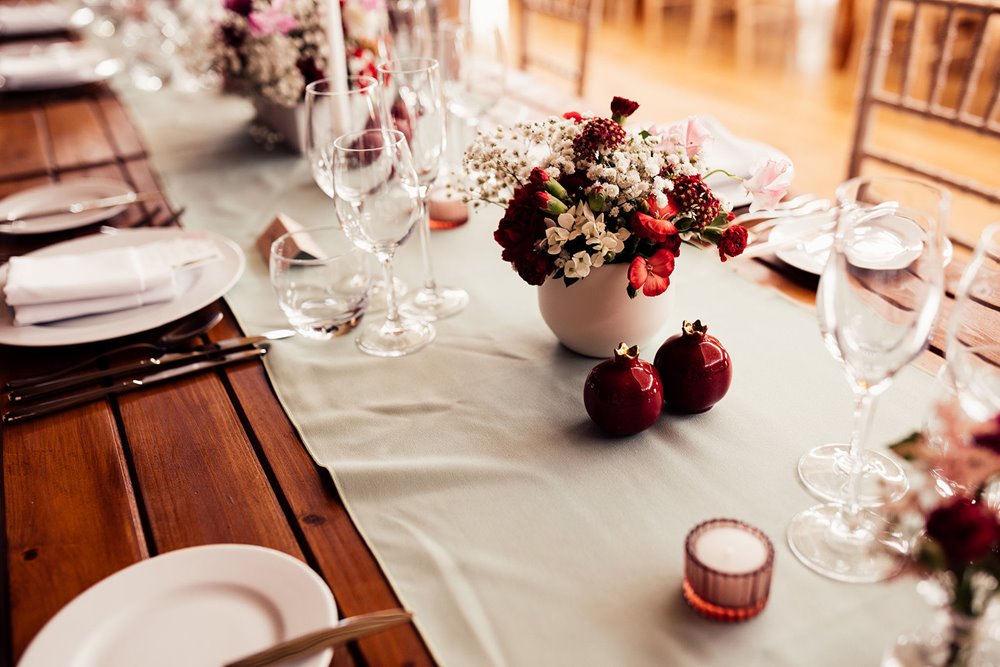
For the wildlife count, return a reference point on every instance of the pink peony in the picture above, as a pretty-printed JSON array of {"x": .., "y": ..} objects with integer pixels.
[{"x": 768, "y": 183}]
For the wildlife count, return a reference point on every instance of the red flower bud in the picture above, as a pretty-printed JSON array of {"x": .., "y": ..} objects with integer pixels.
[
  {"x": 573, "y": 116},
  {"x": 733, "y": 242},
  {"x": 548, "y": 203},
  {"x": 538, "y": 177},
  {"x": 622, "y": 108}
]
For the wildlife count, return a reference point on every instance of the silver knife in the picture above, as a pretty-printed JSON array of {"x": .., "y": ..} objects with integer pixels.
[
  {"x": 124, "y": 386},
  {"x": 40, "y": 389},
  {"x": 12, "y": 220}
]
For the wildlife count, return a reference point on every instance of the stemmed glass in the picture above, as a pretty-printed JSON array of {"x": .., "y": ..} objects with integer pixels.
[
  {"x": 378, "y": 202},
  {"x": 331, "y": 112},
  {"x": 412, "y": 96},
  {"x": 473, "y": 69},
  {"x": 877, "y": 300},
  {"x": 973, "y": 354}
]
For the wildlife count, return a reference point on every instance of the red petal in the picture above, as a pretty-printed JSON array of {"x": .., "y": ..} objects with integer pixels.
[
  {"x": 655, "y": 285},
  {"x": 637, "y": 272}
]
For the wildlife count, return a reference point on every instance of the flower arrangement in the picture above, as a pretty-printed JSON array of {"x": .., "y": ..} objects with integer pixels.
[
  {"x": 957, "y": 533},
  {"x": 581, "y": 191},
  {"x": 365, "y": 27},
  {"x": 271, "y": 49}
]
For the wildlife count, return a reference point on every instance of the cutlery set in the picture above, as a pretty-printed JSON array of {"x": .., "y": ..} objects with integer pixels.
[{"x": 51, "y": 393}]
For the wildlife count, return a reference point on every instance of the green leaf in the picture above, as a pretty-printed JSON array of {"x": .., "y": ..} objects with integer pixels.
[
  {"x": 631, "y": 291},
  {"x": 910, "y": 447},
  {"x": 644, "y": 134}
]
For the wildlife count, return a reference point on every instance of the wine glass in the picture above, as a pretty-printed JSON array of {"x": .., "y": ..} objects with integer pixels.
[
  {"x": 877, "y": 301},
  {"x": 412, "y": 104},
  {"x": 473, "y": 69},
  {"x": 972, "y": 352},
  {"x": 410, "y": 33},
  {"x": 377, "y": 196},
  {"x": 332, "y": 111}
]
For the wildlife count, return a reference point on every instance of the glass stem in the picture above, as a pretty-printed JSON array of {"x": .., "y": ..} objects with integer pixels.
[
  {"x": 425, "y": 242},
  {"x": 391, "y": 303},
  {"x": 863, "y": 413}
]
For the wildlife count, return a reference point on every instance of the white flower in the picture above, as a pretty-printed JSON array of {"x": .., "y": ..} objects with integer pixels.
[
  {"x": 563, "y": 230},
  {"x": 609, "y": 242},
  {"x": 578, "y": 266}
]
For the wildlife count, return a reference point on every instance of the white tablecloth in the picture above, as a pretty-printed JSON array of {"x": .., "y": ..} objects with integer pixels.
[{"x": 515, "y": 532}]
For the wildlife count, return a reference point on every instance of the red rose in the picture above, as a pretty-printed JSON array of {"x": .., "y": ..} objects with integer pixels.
[
  {"x": 733, "y": 242},
  {"x": 651, "y": 274},
  {"x": 519, "y": 232},
  {"x": 966, "y": 531},
  {"x": 657, "y": 230},
  {"x": 622, "y": 108}
]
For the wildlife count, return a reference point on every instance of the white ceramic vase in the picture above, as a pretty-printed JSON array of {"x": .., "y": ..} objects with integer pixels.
[
  {"x": 593, "y": 315},
  {"x": 289, "y": 123}
]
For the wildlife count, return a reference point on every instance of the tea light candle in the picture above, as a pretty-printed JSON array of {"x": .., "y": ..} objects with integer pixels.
[{"x": 727, "y": 569}]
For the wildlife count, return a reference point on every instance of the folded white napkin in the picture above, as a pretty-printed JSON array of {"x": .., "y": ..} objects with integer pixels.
[
  {"x": 34, "y": 19},
  {"x": 100, "y": 281}
]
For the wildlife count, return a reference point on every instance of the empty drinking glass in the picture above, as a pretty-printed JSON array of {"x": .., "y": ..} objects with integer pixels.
[{"x": 322, "y": 281}]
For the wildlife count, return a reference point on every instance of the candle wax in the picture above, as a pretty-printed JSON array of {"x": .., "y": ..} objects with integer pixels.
[{"x": 730, "y": 549}]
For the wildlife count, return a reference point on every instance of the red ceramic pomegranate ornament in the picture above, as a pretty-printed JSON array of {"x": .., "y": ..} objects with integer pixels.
[
  {"x": 623, "y": 395},
  {"x": 695, "y": 369}
]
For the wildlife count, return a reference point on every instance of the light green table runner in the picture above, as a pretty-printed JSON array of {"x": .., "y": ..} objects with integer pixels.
[{"x": 517, "y": 534}]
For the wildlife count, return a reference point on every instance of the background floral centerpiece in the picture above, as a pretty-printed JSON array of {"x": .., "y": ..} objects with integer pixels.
[
  {"x": 956, "y": 536},
  {"x": 270, "y": 50},
  {"x": 582, "y": 192}
]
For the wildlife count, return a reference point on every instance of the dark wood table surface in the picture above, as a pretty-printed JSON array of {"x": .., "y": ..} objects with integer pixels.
[{"x": 207, "y": 459}]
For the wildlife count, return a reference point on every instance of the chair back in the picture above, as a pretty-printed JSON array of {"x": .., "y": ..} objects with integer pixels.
[
  {"x": 584, "y": 13},
  {"x": 936, "y": 61}
]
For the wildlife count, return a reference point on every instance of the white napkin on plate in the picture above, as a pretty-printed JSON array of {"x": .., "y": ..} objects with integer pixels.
[
  {"x": 58, "y": 64},
  {"x": 34, "y": 19},
  {"x": 53, "y": 287}
]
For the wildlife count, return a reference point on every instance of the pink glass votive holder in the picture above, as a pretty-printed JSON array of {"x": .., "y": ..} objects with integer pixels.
[{"x": 727, "y": 570}]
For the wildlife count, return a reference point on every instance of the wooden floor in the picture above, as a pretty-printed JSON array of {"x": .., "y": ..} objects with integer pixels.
[{"x": 787, "y": 94}]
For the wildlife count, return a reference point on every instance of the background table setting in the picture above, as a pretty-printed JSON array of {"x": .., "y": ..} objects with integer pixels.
[{"x": 462, "y": 481}]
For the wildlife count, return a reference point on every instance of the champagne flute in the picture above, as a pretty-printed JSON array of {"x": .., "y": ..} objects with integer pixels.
[
  {"x": 412, "y": 97},
  {"x": 377, "y": 196},
  {"x": 331, "y": 112},
  {"x": 973, "y": 354},
  {"x": 878, "y": 298}
]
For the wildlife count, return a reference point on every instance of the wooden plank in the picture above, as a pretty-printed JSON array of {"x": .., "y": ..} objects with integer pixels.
[
  {"x": 77, "y": 134},
  {"x": 344, "y": 559},
  {"x": 119, "y": 126},
  {"x": 71, "y": 518},
  {"x": 21, "y": 149},
  {"x": 199, "y": 477}
]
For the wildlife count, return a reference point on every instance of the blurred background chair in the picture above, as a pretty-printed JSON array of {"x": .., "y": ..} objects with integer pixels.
[
  {"x": 932, "y": 62},
  {"x": 582, "y": 15}
]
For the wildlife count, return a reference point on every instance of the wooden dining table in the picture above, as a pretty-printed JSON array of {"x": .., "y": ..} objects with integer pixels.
[{"x": 211, "y": 458}]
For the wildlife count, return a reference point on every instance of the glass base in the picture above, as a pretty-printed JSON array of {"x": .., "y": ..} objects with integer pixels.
[
  {"x": 864, "y": 552},
  {"x": 825, "y": 472},
  {"x": 437, "y": 304},
  {"x": 384, "y": 340}
]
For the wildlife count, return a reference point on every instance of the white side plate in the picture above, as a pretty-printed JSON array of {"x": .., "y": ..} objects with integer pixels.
[
  {"x": 60, "y": 195},
  {"x": 53, "y": 66},
  {"x": 205, "y": 605},
  {"x": 199, "y": 287}
]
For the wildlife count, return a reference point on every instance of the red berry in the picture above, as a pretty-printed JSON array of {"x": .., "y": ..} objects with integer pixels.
[
  {"x": 623, "y": 395},
  {"x": 695, "y": 369}
]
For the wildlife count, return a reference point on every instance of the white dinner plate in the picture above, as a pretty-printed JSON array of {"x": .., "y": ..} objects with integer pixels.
[
  {"x": 810, "y": 255},
  {"x": 205, "y": 605},
  {"x": 736, "y": 155},
  {"x": 198, "y": 287},
  {"x": 60, "y": 195},
  {"x": 52, "y": 66}
]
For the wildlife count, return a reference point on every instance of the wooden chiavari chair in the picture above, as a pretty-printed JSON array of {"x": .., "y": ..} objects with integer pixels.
[{"x": 584, "y": 13}]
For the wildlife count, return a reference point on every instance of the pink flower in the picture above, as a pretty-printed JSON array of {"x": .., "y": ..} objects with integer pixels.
[
  {"x": 689, "y": 135},
  {"x": 272, "y": 20},
  {"x": 652, "y": 274},
  {"x": 768, "y": 183}
]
